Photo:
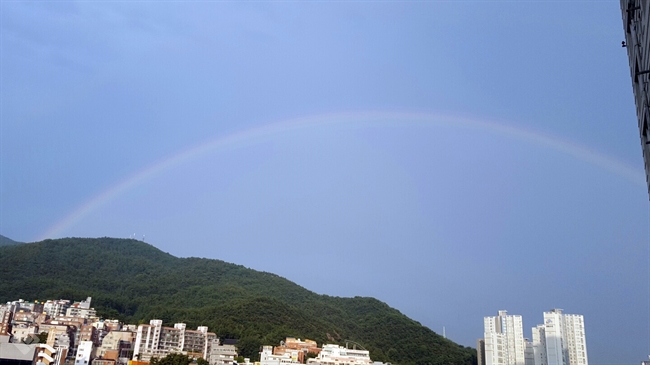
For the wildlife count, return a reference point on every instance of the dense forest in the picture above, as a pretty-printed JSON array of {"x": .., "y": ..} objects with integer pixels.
[{"x": 135, "y": 282}]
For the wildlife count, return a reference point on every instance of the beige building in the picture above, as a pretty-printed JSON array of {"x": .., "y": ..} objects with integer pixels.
[
  {"x": 297, "y": 347},
  {"x": 113, "y": 339}
]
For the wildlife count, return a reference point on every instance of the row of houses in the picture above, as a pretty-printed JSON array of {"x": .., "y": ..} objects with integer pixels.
[{"x": 59, "y": 332}]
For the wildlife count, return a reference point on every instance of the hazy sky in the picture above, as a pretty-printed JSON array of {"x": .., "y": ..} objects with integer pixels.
[{"x": 449, "y": 158}]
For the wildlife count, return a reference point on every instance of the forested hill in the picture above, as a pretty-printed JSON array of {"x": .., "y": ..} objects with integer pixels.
[
  {"x": 136, "y": 282},
  {"x": 6, "y": 241}
]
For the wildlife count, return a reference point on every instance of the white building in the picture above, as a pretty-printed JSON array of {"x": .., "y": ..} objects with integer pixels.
[
  {"x": 154, "y": 340},
  {"x": 339, "y": 355},
  {"x": 81, "y": 309},
  {"x": 529, "y": 353},
  {"x": 560, "y": 340},
  {"x": 56, "y": 308},
  {"x": 84, "y": 353},
  {"x": 539, "y": 345},
  {"x": 504, "y": 340},
  {"x": 150, "y": 341},
  {"x": 268, "y": 358}
]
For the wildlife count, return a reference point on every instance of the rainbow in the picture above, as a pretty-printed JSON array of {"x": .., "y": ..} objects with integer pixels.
[{"x": 252, "y": 135}]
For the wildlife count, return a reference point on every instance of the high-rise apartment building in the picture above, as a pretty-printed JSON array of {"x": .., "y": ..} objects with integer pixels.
[
  {"x": 636, "y": 24},
  {"x": 560, "y": 340},
  {"x": 576, "y": 342},
  {"x": 504, "y": 340}
]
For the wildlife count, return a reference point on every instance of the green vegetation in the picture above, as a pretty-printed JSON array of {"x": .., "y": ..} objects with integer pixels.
[
  {"x": 173, "y": 359},
  {"x": 135, "y": 282},
  {"x": 6, "y": 241}
]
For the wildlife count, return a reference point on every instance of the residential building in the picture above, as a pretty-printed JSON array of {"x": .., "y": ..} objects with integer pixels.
[
  {"x": 108, "y": 325},
  {"x": 88, "y": 332},
  {"x": 539, "y": 345},
  {"x": 6, "y": 317},
  {"x": 196, "y": 342},
  {"x": 85, "y": 353},
  {"x": 636, "y": 22},
  {"x": 529, "y": 352},
  {"x": 298, "y": 347},
  {"x": 60, "y": 336},
  {"x": 47, "y": 355},
  {"x": 339, "y": 355},
  {"x": 504, "y": 340},
  {"x": 268, "y": 358},
  {"x": 560, "y": 340},
  {"x": 72, "y": 328},
  {"x": 154, "y": 340},
  {"x": 55, "y": 308},
  {"x": 81, "y": 310},
  {"x": 480, "y": 351},
  {"x": 21, "y": 332},
  {"x": 114, "y": 339},
  {"x": 221, "y": 354}
]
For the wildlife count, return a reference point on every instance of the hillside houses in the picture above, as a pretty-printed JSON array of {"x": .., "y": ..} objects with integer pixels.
[{"x": 58, "y": 332}]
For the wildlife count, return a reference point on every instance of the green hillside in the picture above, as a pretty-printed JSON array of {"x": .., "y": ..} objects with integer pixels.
[
  {"x": 135, "y": 282},
  {"x": 6, "y": 241}
]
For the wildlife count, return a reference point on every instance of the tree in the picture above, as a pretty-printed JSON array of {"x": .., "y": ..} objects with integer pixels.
[{"x": 172, "y": 359}]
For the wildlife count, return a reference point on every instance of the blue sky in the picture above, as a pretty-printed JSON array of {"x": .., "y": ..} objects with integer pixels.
[{"x": 449, "y": 158}]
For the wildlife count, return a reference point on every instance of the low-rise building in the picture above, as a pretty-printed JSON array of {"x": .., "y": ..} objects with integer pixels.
[
  {"x": 154, "y": 340},
  {"x": 88, "y": 332},
  {"x": 85, "y": 353},
  {"x": 221, "y": 354},
  {"x": 297, "y": 348},
  {"x": 17, "y": 353},
  {"x": 55, "y": 308},
  {"x": 339, "y": 355},
  {"x": 20, "y": 333},
  {"x": 116, "y": 339},
  {"x": 6, "y": 316},
  {"x": 268, "y": 358}
]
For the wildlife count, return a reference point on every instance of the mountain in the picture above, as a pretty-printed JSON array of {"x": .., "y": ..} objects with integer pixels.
[
  {"x": 6, "y": 241},
  {"x": 136, "y": 282}
]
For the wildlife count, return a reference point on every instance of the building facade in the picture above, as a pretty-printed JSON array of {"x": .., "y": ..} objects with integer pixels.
[
  {"x": 222, "y": 354},
  {"x": 339, "y": 355},
  {"x": 154, "y": 340},
  {"x": 636, "y": 24},
  {"x": 560, "y": 340},
  {"x": 504, "y": 340}
]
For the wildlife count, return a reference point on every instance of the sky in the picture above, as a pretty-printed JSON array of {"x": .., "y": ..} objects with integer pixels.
[{"x": 450, "y": 158}]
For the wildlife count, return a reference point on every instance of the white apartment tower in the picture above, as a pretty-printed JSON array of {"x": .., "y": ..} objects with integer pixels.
[
  {"x": 560, "y": 340},
  {"x": 504, "y": 340},
  {"x": 576, "y": 343},
  {"x": 539, "y": 345}
]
